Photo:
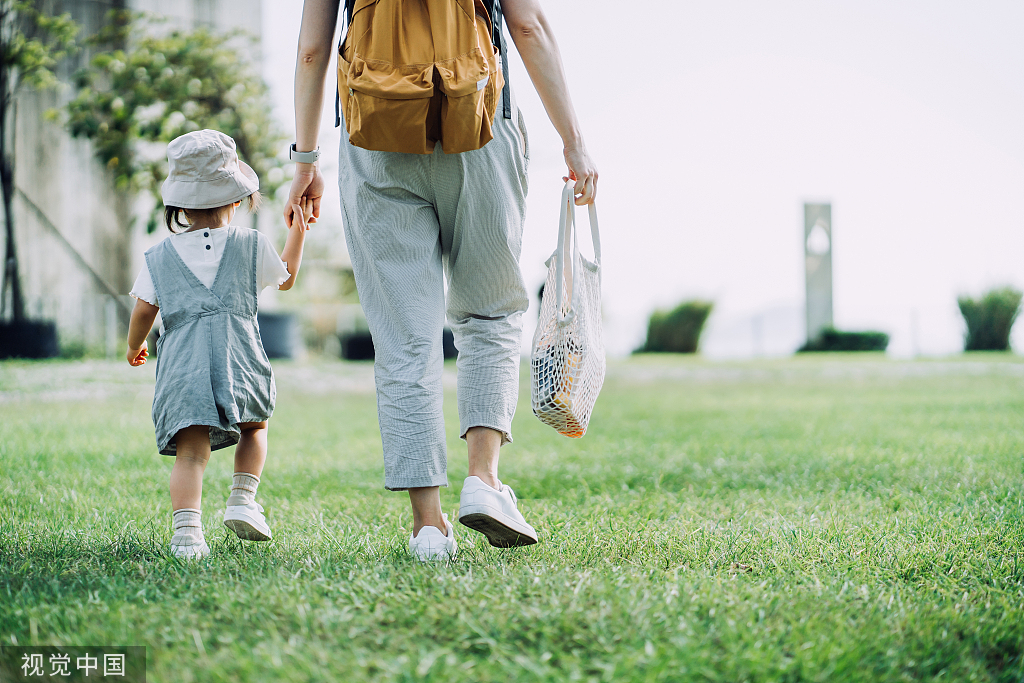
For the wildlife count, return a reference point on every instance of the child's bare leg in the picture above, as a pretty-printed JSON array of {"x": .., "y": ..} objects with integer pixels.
[
  {"x": 251, "y": 452},
  {"x": 193, "y": 445},
  {"x": 244, "y": 515},
  {"x": 193, "y": 448}
]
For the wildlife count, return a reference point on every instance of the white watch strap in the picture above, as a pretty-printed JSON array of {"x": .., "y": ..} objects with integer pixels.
[{"x": 303, "y": 157}]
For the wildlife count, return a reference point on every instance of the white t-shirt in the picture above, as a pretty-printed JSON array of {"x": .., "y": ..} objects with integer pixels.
[{"x": 201, "y": 251}]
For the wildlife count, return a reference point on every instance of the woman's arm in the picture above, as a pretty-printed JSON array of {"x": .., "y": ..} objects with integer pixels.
[
  {"x": 536, "y": 44},
  {"x": 141, "y": 323},
  {"x": 316, "y": 37}
]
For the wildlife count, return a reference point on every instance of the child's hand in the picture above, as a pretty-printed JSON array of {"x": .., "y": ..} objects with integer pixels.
[
  {"x": 137, "y": 357},
  {"x": 307, "y": 213}
]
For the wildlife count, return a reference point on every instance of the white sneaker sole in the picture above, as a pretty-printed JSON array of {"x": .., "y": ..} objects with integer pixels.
[
  {"x": 246, "y": 528},
  {"x": 501, "y": 530}
]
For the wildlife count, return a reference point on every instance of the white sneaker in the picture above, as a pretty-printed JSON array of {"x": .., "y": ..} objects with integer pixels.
[
  {"x": 431, "y": 545},
  {"x": 493, "y": 513},
  {"x": 189, "y": 546},
  {"x": 247, "y": 521}
]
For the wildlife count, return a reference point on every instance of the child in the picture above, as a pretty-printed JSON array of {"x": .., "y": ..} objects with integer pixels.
[{"x": 214, "y": 384}]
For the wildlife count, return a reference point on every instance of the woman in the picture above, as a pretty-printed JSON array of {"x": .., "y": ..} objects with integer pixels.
[{"x": 413, "y": 220}]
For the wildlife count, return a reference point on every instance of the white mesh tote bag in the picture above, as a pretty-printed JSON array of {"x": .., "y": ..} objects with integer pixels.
[{"x": 567, "y": 361}]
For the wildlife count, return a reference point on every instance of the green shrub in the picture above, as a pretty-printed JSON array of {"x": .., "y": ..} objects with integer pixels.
[
  {"x": 989, "y": 319},
  {"x": 678, "y": 330},
  {"x": 832, "y": 339},
  {"x": 74, "y": 349}
]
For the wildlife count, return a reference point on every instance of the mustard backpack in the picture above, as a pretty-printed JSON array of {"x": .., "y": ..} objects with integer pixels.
[{"x": 415, "y": 72}]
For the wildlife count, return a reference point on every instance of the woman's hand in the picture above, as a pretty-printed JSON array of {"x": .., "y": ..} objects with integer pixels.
[
  {"x": 583, "y": 171},
  {"x": 137, "y": 357},
  {"x": 307, "y": 189}
]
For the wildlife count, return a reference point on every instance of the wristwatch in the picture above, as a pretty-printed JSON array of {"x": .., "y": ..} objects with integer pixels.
[{"x": 303, "y": 157}]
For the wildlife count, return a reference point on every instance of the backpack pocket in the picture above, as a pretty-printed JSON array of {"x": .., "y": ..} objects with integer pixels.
[
  {"x": 387, "y": 108},
  {"x": 467, "y": 120},
  {"x": 472, "y": 85}
]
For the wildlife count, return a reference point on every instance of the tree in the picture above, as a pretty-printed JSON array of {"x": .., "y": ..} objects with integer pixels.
[
  {"x": 31, "y": 45},
  {"x": 132, "y": 100}
]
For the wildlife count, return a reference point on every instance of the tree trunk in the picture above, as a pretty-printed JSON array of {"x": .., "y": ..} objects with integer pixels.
[
  {"x": 119, "y": 249},
  {"x": 11, "y": 277}
]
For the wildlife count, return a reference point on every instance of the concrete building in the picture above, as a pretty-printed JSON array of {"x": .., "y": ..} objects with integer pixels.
[{"x": 76, "y": 263}]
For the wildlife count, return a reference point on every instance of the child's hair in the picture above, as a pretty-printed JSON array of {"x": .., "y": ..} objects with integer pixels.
[{"x": 174, "y": 214}]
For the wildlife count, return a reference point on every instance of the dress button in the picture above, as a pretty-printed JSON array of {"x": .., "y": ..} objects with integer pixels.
[
  {"x": 206, "y": 234},
  {"x": 207, "y": 246}
]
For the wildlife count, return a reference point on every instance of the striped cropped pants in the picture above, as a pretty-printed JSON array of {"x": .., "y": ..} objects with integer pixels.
[{"x": 414, "y": 223}]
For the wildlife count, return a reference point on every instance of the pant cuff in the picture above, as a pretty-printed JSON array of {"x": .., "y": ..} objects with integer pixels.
[
  {"x": 404, "y": 483},
  {"x": 506, "y": 436}
]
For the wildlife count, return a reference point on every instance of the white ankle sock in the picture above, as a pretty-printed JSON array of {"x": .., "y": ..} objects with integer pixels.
[
  {"x": 188, "y": 523},
  {"x": 243, "y": 488},
  {"x": 187, "y": 517}
]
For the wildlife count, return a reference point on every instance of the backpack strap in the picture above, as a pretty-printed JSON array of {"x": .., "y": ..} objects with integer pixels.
[
  {"x": 337, "y": 92},
  {"x": 498, "y": 39}
]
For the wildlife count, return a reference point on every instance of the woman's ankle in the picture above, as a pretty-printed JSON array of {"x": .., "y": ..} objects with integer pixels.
[
  {"x": 488, "y": 477},
  {"x": 426, "y": 509},
  {"x": 438, "y": 524}
]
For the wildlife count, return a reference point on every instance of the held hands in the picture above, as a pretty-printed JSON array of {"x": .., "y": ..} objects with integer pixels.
[
  {"x": 306, "y": 191},
  {"x": 308, "y": 208},
  {"x": 303, "y": 214},
  {"x": 137, "y": 357},
  {"x": 583, "y": 171}
]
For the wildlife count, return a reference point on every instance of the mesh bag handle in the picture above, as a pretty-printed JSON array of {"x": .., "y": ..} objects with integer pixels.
[{"x": 566, "y": 227}]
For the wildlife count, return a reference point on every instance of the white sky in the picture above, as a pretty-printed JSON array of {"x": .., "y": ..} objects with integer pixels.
[{"x": 712, "y": 122}]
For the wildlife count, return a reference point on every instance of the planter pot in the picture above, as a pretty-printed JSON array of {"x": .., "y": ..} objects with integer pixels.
[
  {"x": 29, "y": 339},
  {"x": 448, "y": 344},
  {"x": 280, "y": 334},
  {"x": 358, "y": 345}
]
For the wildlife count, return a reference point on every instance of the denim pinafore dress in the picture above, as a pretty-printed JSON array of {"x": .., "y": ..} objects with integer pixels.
[{"x": 211, "y": 368}]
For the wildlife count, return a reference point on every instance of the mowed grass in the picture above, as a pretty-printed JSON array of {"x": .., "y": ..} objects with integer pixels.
[{"x": 824, "y": 518}]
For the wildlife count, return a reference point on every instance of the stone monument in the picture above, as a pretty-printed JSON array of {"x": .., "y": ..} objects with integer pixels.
[{"x": 818, "y": 267}]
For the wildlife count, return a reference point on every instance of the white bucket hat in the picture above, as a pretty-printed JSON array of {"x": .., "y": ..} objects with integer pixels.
[{"x": 204, "y": 172}]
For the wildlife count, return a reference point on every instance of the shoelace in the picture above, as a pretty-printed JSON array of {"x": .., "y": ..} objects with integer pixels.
[{"x": 506, "y": 487}]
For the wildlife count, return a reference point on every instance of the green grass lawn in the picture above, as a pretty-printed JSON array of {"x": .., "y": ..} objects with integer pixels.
[{"x": 830, "y": 518}]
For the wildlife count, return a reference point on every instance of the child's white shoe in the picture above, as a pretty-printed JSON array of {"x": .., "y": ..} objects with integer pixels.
[
  {"x": 247, "y": 521},
  {"x": 431, "y": 545},
  {"x": 189, "y": 546},
  {"x": 188, "y": 541}
]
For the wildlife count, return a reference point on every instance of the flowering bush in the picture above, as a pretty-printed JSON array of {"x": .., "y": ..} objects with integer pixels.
[{"x": 131, "y": 102}]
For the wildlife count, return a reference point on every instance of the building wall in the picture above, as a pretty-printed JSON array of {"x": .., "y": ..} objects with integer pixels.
[{"x": 63, "y": 257}]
